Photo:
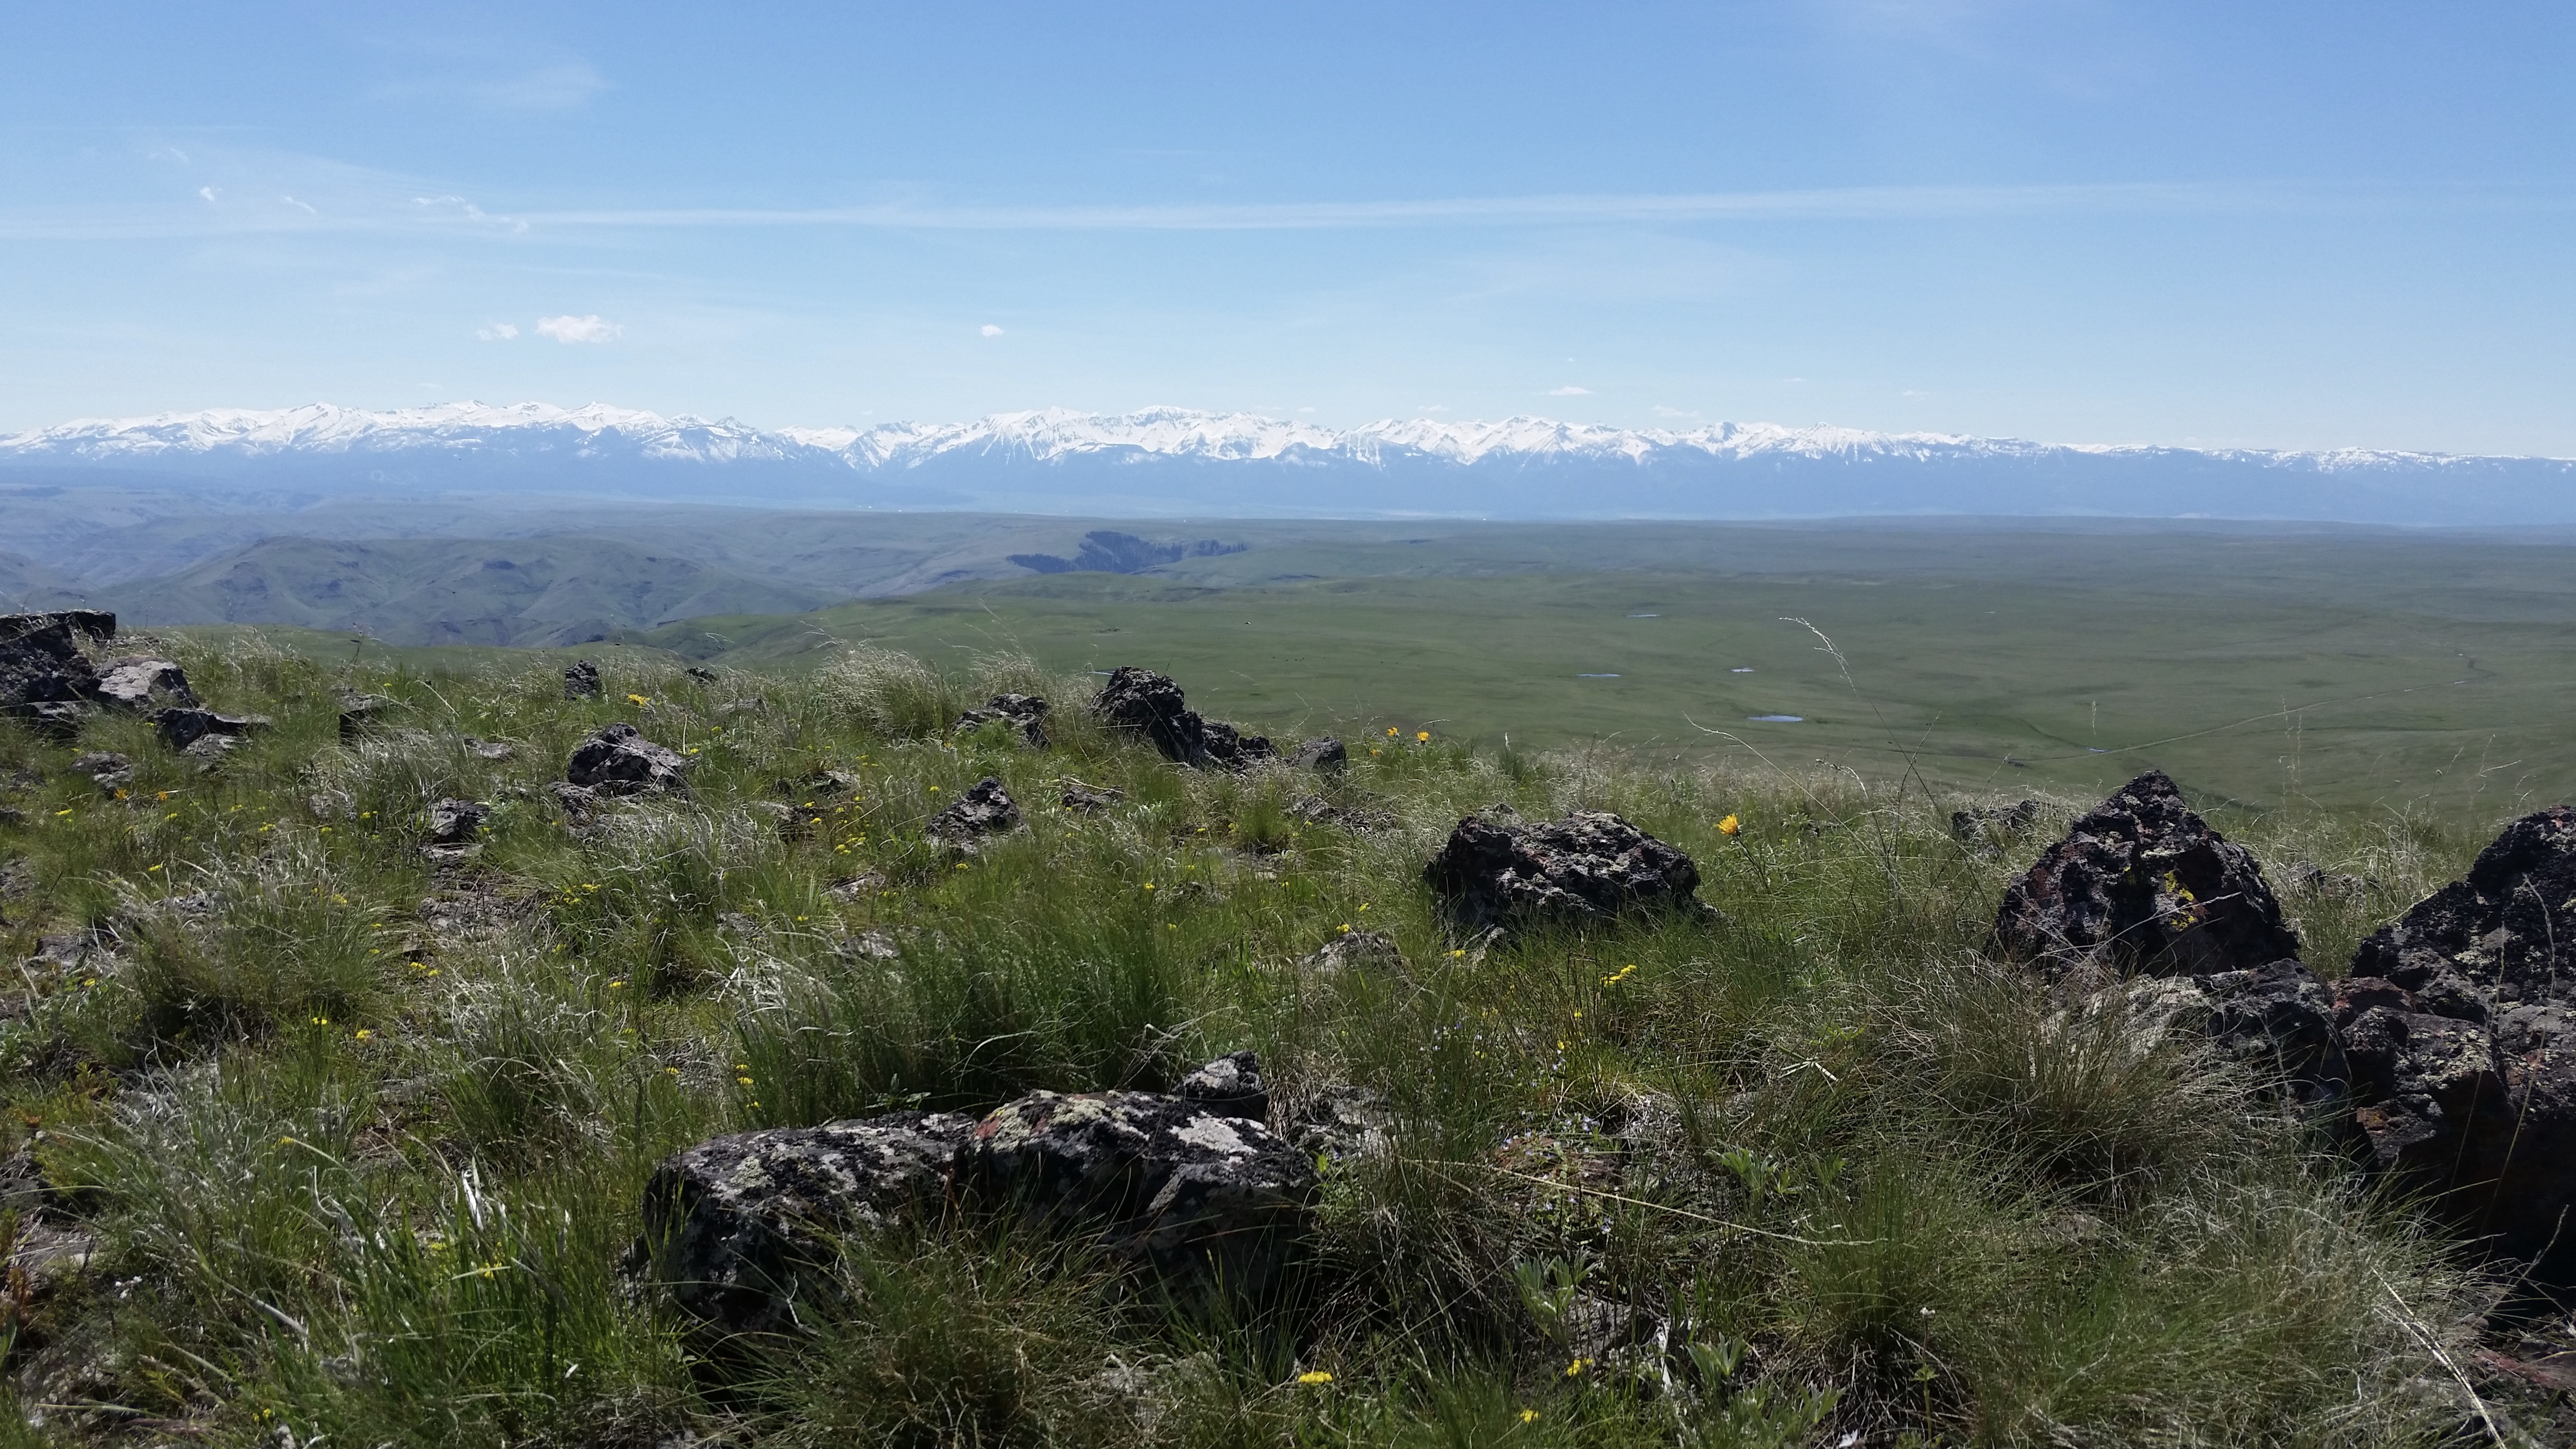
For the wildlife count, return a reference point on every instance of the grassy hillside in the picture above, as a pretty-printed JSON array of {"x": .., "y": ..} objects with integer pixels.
[
  {"x": 360, "y": 1134},
  {"x": 2283, "y": 672}
]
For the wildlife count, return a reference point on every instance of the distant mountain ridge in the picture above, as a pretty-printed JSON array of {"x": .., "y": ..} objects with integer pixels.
[{"x": 1164, "y": 461}]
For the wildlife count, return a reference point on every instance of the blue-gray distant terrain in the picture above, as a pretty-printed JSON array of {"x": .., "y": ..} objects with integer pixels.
[{"x": 1169, "y": 462}]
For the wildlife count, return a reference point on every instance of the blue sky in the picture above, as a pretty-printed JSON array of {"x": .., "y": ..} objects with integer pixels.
[{"x": 2282, "y": 224}]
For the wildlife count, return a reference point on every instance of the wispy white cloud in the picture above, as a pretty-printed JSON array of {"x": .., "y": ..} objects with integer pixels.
[
  {"x": 989, "y": 330},
  {"x": 1858, "y": 203},
  {"x": 564, "y": 87},
  {"x": 1569, "y": 390},
  {"x": 497, "y": 332},
  {"x": 307, "y": 207},
  {"x": 593, "y": 328},
  {"x": 208, "y": 192}
]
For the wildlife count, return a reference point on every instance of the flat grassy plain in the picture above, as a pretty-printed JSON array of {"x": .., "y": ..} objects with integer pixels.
[{"x": 2286, "y": 670}]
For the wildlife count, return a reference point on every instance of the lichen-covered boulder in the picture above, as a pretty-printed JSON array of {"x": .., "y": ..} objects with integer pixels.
[
  {"x": 1229, "y": 748},
  {"x": 618, "y": 760},
  {"x": 581, "y": 680},
  {"x": 1171, "y": 1187},
  {"x": 2141, "y": 882},
  {"x": 739, "y": 1228},
  {"x": 1587, "y": 868},
  {"x": 139, "y": 685}
]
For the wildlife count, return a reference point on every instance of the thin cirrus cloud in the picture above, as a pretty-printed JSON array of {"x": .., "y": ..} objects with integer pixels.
[
  {"x": 1569, "y": 390},
  {"x": 568, "y": 330},
  {"x": 989, "y": 330},
  {"x": 384, "y": 201},
  {"x": 497, "y": 332},
  {"x": 565, "y": 86}
]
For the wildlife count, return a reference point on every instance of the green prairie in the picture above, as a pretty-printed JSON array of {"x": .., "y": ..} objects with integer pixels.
[{"x": 2273, "y": 668}]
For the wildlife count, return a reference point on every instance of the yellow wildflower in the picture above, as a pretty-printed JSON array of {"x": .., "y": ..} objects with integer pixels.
[
  {"x": 637, "y": 699},
  {"x": 1576, "y": 1368},
  {"x": 1315, "y": 1376},
  {"x": 1730, "y": 826},
  {"x": 1422, "y": 737},
  {"x": 1529, "y": 1416}
]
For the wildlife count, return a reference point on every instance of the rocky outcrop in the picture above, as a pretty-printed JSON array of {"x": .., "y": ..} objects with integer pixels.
[
  {"x": 2505, "y": 935},
  {"x": 1229, "y": 748},
  {"x": 2142, "y": 883},
  {"x": 1024, "y": 713},
  {"x": 618, "y": 760},
  {"x": 1171, "y": 1188},
  {"x": 581, "y": 680},
  {"x": 107, "y": 769},
  {"x": 1188, "y": 1188},
  {"x": 1141, "y": 702},
  {"x": 985, "y": 810},
  {"x": 139, "y": 685},
  {"x": 44, "y": 677},
  {"x": 1587, "y": 868},
  {"x": 2456, "y": 1022},
  {"x": 738, "y": 1229}
]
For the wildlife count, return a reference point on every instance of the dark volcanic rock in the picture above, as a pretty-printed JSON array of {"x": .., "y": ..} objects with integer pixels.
[
  {"x": 456, "y": 822},
  {"x": 1182, "y": 1192},
  {"x": 140, "y": 685},
  {"x": 2480, "y": 1115},
  {"x": 581, "y": 681},
  {"x": 616, "y": 760},
  {"x": 1191, "y": 1189},
  {"x": 1230, "y": 1086},
  {"x": 1025, "y": 713},
  {"x": 2278, "y": 1021},
  {"x": 1326, "y": 754},
  {"x": 1588, "y": 867},
  {"x": 184, "y": 728},
  {"x": 739, "y": 1227},
  {"x": 985, "y": 809},
  {"x": 1231, "y": 749},
  {"x": 1143, "y": 702},
  {"x": 2455, "y": 1024},
  {"x": 41, "y": 664},
  {"x": 2143, "y": 882},
  {"x": 2506, "y": 934},
  {"x": 96, "y": 625}
]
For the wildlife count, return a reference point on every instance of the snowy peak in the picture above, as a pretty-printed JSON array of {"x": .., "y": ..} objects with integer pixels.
[{"x": 1049, "y": 435}]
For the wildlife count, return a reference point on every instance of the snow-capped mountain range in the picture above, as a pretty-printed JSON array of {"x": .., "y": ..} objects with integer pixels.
[{"x": 1176, "y": 461}]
